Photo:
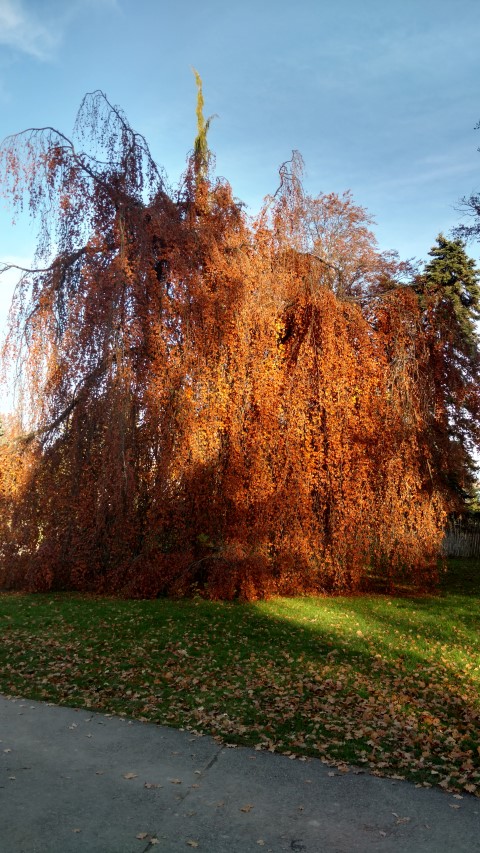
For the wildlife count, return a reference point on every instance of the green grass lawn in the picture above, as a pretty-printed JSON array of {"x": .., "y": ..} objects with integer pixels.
[{"x": 388, "y": 684}]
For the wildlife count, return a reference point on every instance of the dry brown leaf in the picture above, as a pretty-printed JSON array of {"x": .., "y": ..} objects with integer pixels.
[{"x": 400, "y": 819}]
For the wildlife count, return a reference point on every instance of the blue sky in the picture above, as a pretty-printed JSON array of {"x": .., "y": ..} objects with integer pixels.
[{"x": 380, "y": 96}]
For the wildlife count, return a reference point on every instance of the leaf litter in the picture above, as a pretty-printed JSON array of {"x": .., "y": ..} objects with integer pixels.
[{"x": 295, "y": 676}]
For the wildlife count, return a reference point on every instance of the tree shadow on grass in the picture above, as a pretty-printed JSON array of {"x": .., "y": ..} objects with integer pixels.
[{"x": 391, "y": 686}]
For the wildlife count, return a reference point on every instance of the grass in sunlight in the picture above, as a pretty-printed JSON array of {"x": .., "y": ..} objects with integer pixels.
[{"x": 391, "y": 685}]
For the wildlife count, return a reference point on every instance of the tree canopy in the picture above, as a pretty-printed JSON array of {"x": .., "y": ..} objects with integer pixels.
[
  {"x": 216, "y": 404},
  {"x": 470, "y": 207},
  {"x": 449, "y": 297}
]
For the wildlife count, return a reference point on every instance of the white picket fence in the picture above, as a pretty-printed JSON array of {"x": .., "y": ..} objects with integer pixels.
[{"x": 462, "y": 538}]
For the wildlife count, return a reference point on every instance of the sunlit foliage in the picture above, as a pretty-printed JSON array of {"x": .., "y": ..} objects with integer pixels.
[{"x": 209, "y": 403}]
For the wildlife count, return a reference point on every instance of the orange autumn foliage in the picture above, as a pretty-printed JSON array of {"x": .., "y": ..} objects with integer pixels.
[{"x": 211, "y": 404}]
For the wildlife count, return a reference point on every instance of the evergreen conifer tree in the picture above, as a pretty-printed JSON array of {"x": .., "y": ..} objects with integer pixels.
[
  {"x": 452, "y": 279},
  {"x": 449, "y": 293}
]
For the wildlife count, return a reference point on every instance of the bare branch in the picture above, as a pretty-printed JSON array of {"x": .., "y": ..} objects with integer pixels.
[
  {"x": 60, "y": 262},
  {"x": 26, "y": 438}
]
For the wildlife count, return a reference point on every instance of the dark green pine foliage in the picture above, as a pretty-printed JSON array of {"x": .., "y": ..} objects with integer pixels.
[
  {"x": 452, "y": 276},
  {"x": 449, "y": 293}
]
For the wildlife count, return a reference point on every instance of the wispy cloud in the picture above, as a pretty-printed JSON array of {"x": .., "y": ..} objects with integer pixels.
[{"x": 22, "y": 30}]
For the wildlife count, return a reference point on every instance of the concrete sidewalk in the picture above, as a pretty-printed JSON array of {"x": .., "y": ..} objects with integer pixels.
[{"x": 74, "y": 781}]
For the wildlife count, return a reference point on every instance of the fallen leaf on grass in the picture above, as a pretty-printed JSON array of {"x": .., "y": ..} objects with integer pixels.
[
  {"x": 247, "y": 808},
  {"x": 390, "y": 715}
]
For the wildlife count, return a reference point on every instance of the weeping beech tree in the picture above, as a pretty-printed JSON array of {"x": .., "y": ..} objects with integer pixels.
[{"x": 208, "y": 403}]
